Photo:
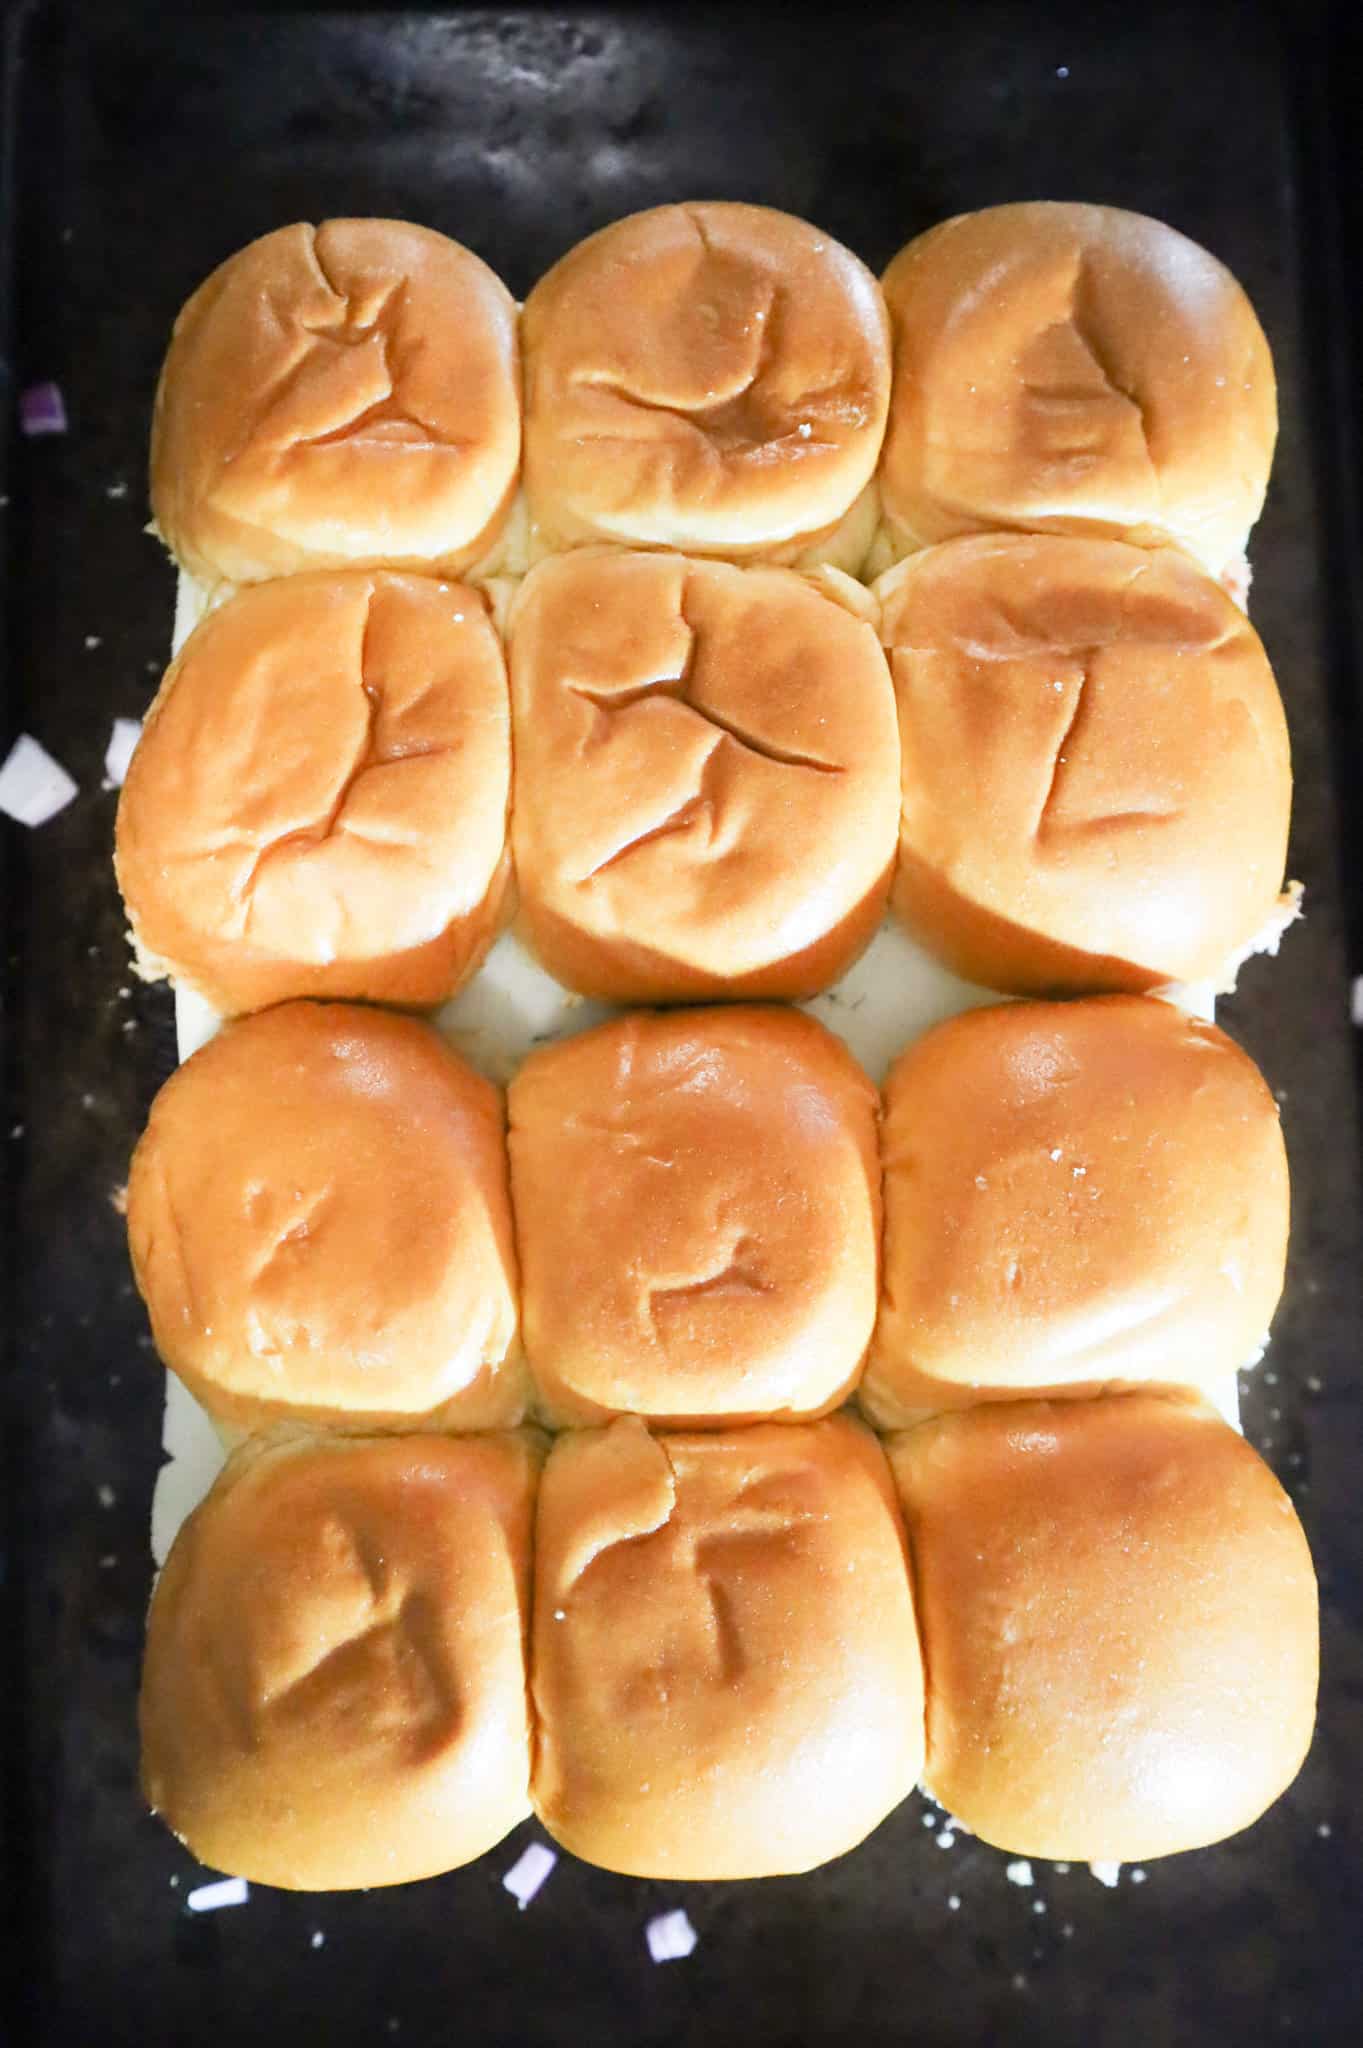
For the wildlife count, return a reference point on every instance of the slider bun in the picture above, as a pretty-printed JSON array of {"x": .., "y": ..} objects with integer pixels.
[
  {"x": 726, "y": 1672},
  {"x": 1075, "y": 369},
  {"x": 318, "y": 803},
  {"x": 334, "y": 1690},
  {"x": 1096, "y": 774},
  {"x": 711, "y": 377},
  {"x": 717, "y": 1258},
  {"x": 706, "y": 777},
  {"x": 1119, "y": 1622},
  {"x": 320, "y": 1227},
  {"x": 1076, "y": 1195},
  {"x": 333, "y": 396}
]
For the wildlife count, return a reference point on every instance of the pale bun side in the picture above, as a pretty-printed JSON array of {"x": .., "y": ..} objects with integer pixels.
[
  {"x": 334, "y": 1688},
  {"x": 320, "y": 1226},
  {"x": 318, "y": 805},
  {"x": 1075, "y": 369},
  {"x": 706, "y": 777},
  {"x": 717, "y": 1260},
  {"x": 1096, "y": 772},
  {"x": 712, "y": 377},
  {"x": 333, "y": 396},
  {"x": 725, "y": 1667},
  {"x": 1077, "y": 1195},
  {"x": 1119, "y": 1624}
]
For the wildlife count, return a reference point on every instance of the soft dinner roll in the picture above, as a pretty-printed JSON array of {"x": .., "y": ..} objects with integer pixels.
[
  {"x": 712, "y": 377},
  {"x": 338, "y": 395},
  {"x": 1096, "y": 775},
  {"x": 706, "y": 777},
  {"x": 1119, "y": 1624},
  {"x": 1076, "y": 1195},
  {"x": 318, "y": 803},
  {"x": 1075, "y": 369},
  {"x": 697, "y": 1200},
  {"x": 334, "y": 1691},
  {"x": 320, "y": 1227},
  {"x": 725, "y": 1667}
]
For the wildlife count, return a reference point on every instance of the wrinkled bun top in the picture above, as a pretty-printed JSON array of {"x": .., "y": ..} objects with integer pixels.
[
  {"x": 318, "y": 803},
  {"x": 1096, "y": 773},
  {"x": 706, "y": 777},
  {"x": 1078, "y": 369},
  {"x": 1119, "y": 1622},
  {"x": 320, "y": 1225},
  {"x": 717, "y": 1259},
  {"x": 338, "y": 395},
  {"x": 334, "y": 1691},
  {"x": 1076, "y": 1195},
  {"x": 712, "y": 377},
  {"x": 726, "y": 1673}
]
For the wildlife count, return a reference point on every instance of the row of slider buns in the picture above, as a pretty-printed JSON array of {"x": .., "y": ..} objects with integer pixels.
[
  {"x": 1082, "y": 1205},
  {"x": 705, "y": 1217},
  {"x": 1062, "y": 762},
  {"x": 1087, "y": 1627},
  {"x": 715, "y": 378},
  {"x": 1061, "y": 745},
  {"x": 1062, "y": 752}
]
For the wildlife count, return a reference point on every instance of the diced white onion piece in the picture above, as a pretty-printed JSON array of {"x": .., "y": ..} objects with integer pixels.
[
  {"x": 33, "y": 787},
  {"x": 528, "y": 1873},
  {"x": 670, "y": 1937},
  {"x": 119, "y": 752},
  {"x": 209, "y": 1898}
]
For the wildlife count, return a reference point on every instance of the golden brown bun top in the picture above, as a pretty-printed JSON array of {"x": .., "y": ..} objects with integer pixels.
[
  {"x": 1078, "y": 369},
  {"x": 1075, "y": 1194},
  {"x": 718, "y": 1258},
  {"x": 706, "y": 763},
  {"x": 725, "y": 1665},
  {"x": 318, "y": 804},
  {"x": 1119, "y": 1618},
  {"x": 334, "y": 1692},
  {"x": 712, "y": 376},
  {"x": 320, "y": 1226},
  {"x": 1096, "y": 772},
  {"x": 333, "y": 396}
]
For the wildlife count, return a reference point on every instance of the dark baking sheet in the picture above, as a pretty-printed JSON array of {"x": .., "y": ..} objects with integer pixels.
[{"x": 150, "y": 143}]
